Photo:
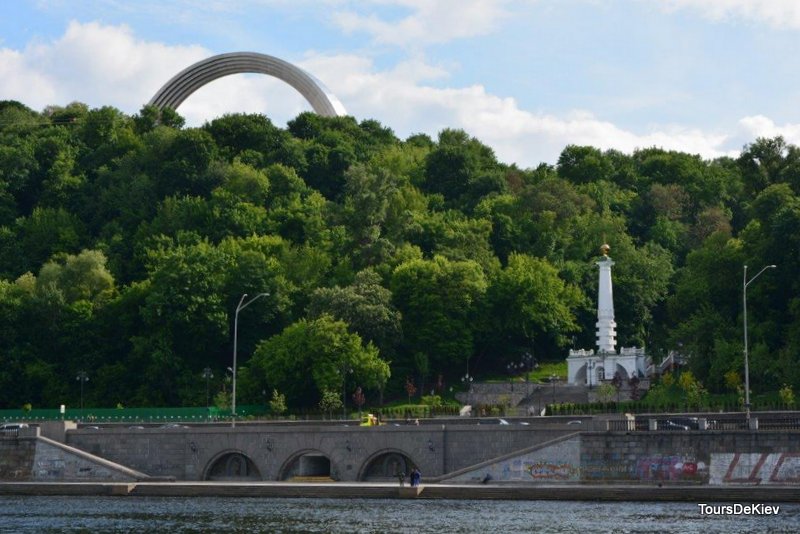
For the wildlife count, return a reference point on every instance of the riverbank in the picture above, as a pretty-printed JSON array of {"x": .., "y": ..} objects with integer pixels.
[{"x": 578, "y": 492}]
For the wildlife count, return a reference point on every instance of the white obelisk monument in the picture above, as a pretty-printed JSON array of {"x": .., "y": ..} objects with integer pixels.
[
  {"x": 590, "y": 368},
  {"x": 606, "y": 326}
]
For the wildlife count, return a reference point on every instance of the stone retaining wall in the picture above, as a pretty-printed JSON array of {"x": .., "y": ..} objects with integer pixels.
[
  {"x": 16, "y": 458},
  {"x": 39, "y": 459},
  {"x": 190, "y": 453},
  {"x": 699, "y": 457}
]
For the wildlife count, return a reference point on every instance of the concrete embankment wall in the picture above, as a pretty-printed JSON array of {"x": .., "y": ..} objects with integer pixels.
[
  {"x": 190, "y": 453},
  {"x": 16, "y": 458},
  {"x": 699, "y": 458},
  {"x": 31, "y": 457},
  {"x": 521, "y": 454}
]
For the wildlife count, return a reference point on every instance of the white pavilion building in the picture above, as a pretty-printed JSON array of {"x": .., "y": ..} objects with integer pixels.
[{"x": 587, "y": 367}]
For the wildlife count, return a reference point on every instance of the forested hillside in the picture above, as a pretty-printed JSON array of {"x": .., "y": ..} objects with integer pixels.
[{"x": 127, "y": 242}]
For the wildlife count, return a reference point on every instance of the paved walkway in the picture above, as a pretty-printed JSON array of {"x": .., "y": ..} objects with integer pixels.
[{"x": 574, "y": 492}]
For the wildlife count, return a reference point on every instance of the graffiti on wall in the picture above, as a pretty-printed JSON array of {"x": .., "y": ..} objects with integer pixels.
[
  {"x": 651, "y": 468},
  {"x": 557, "y": 463},
  {"x": 755, "y": 468},
  {"x": 673, "y": 468},
  {"x": 552, "y": 471}
]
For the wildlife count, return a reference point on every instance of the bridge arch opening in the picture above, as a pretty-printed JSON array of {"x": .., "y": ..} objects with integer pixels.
[
  {"x": 232, "y": 465},
  {"x": 308, "y": 464},
  {"x": 385, "y": 465}
]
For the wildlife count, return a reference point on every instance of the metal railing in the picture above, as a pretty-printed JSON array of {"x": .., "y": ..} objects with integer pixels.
[{"x": 685, "y": 423}]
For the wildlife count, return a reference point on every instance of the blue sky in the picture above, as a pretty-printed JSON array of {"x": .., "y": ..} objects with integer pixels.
[{"x": 526, "y": 77}]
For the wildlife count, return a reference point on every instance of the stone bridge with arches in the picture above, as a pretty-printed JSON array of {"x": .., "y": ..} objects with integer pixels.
[{"x": 307, "y": 451}]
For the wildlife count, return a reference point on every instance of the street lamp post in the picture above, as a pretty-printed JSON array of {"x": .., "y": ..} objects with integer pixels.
[
  {"x": 512, "y": 369},
  {"x": 82, "y": 377},
  {"x": 527, "y": 361},
  {"x": 539, "y": 401},
  {"x": 745, "y": 283},
  {"x": 242, "y": 305},
  {"x": 553, "y": 379},
  {"x": 345, "y": 370},
  {"x": 208, "y": 375},
  {"x": 467, "y": 381}
]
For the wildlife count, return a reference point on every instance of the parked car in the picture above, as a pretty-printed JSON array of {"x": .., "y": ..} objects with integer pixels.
[
  {"x": 12, "y": 427},
  {"x": 682, "y": 423},
  {"x": 174, "y": 425}
]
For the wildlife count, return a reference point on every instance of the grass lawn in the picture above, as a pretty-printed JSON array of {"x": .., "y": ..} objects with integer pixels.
[{"x": 544, "y": 370}]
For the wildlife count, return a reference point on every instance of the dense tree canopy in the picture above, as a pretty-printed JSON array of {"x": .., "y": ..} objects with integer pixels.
[{"x": 126, "y": 243}]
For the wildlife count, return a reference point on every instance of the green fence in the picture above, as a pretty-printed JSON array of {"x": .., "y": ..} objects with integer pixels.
[{"x": 130, "y": 415}]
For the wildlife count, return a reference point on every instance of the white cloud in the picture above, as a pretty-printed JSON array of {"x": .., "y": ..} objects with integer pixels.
[
  {"x": 527, "y": 138},
  {"x": 91, "y": 63},
  {"x": 761, "y": 126},
  {"x": 775, "y": 13},
  {"x": 107, "y": 65},
  {"x": 429, "y": 22}
]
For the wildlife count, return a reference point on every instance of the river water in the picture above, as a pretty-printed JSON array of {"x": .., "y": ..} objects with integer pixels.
[{"x": 182, "y": 514}]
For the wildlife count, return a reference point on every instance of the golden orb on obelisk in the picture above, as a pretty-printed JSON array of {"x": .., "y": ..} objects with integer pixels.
[{"x": 604, "y": 248}]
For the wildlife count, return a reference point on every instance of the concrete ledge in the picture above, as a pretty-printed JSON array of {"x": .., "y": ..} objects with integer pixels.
[
  {"x": 575, "y": 492},
  {"x": 409, "y": 492}
]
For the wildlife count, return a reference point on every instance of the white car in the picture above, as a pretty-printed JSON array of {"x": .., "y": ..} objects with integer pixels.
[{"x": 13, "y": 426}]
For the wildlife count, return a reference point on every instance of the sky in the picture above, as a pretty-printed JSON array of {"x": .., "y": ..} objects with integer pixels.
[{"x": 526, "y": 77}]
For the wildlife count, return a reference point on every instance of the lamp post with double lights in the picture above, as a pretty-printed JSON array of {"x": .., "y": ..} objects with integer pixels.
[
  {"x": 745, "y": 283},
  {"x": 242, "y": 305}
]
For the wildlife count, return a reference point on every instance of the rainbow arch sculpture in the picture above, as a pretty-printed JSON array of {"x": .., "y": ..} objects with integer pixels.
[{"x": 192, "y": 78}]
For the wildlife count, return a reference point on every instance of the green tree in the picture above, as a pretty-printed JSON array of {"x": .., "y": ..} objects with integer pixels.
[
  {"x": 365, "y": 306},
  {"x": 462, "y": 169},
  {"x": 277, "y": 405},
  {"x": 312, "y": 356},
  {"x": 439, "y": 300},
  {"x": 81, "y": 277},
  {"x": 787, "y": 396},
  {"x": 529, "y": 301},
  {"x": 329, "y": 402},
  {"x": 694, "y": 392},
  {"x": 606, "y": 392}
]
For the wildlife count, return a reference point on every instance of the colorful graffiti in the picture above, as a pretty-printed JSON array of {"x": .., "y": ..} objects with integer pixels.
[
  {"x": 653, "y": 468},
  {"x": 552, "y": 471},
  {"x": 672, "y": 468},
  {"x": 755, "y": 468}
]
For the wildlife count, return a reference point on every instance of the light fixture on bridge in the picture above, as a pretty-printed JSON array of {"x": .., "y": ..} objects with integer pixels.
[
  {"x": 268, "y": 444},
  {"x": 347, "y": 446},
  {"x": 430, "y": 446}
]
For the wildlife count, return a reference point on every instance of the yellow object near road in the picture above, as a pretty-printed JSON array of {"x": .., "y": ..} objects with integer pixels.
[{"x": 370, "y": 420}]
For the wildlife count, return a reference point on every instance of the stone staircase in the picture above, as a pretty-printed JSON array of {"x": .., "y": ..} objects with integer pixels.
[
  {"x": 520, "y": 394},
  {"x": 535, "y": 396}
]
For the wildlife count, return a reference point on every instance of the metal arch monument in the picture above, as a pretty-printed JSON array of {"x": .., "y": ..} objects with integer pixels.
[{"x": 192, "y": 78}]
